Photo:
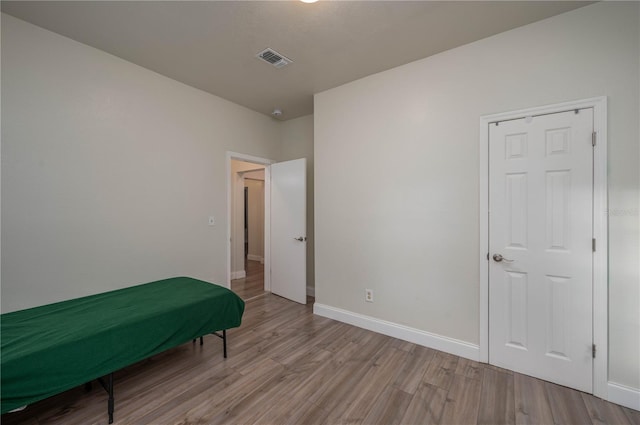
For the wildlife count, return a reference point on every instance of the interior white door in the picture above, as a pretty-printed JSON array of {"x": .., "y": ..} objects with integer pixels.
[
  {"x": 540, "y": 244},
  {"x": 288, "y": 229}
]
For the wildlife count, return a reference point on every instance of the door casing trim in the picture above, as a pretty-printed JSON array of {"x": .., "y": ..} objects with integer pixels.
[
  {"x": 231, "y": 156},
  {"x": 600, "y": 229}
]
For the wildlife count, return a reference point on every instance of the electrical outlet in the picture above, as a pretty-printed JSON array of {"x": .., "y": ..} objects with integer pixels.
[{"x": 368, "y": 295}]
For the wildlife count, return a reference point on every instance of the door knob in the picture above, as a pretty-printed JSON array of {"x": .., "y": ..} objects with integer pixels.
[
  {"x": 498, "y": 258},
  {"x": 300, "y": 239}
]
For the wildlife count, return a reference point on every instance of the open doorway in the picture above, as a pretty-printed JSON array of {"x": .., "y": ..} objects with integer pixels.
[
  {"x": 283, "y": 267},
  {"x": 252, "y": 285},
  {"x": 247, "y": 228}
]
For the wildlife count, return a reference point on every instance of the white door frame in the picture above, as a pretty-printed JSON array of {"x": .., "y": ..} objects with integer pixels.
[
  {"x": 235, "y": 156},
  {"x": 600, "y": 232}
]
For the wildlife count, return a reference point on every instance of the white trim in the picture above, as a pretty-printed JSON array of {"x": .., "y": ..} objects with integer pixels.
[
  {"x": 406, "y": 333},
  {"x": 600, "y": 231},
  {"x": 601, "y": 256},
  {"x": 238, "y": 275},
  {"x": 624, "y": 396},
  {"x": 484, "y": 240},
  {"x": 253, "y": 257},
  {"x": 267, "y": 228},
  {"x": 267, "y": 212},
  {"x": 311, "y": 291}
]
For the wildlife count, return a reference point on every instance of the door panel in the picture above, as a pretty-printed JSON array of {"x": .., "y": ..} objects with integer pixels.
[
  {"x": 517, "y": 318},
  {"x": 540, "y": 203},
  {"x": 288, "y": 225}
]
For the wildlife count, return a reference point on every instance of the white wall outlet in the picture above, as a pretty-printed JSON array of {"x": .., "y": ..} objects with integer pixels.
[
  {"x": 368, "y": 295},
  {"x": 212, "y": 220}
]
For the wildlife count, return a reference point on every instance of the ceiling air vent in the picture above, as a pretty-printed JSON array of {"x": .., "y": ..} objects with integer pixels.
[{"x": 274, "y": 58}]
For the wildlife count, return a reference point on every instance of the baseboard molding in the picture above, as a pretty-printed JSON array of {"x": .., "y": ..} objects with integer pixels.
[
  {"x": 406, "y": 333},
  {"x": 238, "y": 275},
  {"x": 623, "y": 395},
  {"x": 311, "y": 291},
  {"x": 255, "y": 258}
]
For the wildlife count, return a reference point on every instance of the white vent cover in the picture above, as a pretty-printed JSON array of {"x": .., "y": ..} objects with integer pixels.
[{"x": 274, "y": 58}]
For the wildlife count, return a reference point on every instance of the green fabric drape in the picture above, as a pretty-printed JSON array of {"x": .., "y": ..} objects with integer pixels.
[{"x": 49, "y": 349}]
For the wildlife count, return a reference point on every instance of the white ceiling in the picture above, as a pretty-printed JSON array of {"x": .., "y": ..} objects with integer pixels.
[{"x": 212, "y": 45}]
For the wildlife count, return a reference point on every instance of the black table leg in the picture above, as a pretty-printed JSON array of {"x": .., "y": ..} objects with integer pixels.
[
  {"x": 224, "y": 342},
  {"x": 108, "y": 387},
  {"x": 111, "y": 400}
]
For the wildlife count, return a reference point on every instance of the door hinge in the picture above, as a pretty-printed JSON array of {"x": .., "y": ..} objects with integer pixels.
[
  {"x": 593, "y": 351},
  {"x": 487, "y": 256},
  {"x": 593, "y": 244},
  {"x": 593, "y": 138}
]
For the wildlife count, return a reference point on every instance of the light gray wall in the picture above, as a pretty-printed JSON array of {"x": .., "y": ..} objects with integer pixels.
[
  {"x": 110, "y": 171},
  {"x": 397, "y": 162},
  {"x": 297, "y": 142}
]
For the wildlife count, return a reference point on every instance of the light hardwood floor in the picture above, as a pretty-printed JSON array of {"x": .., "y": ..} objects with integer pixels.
[{"x": 287, "y": 366}]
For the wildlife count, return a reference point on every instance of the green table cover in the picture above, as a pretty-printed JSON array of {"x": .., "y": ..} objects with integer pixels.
[{"x": 50, "y": 349}]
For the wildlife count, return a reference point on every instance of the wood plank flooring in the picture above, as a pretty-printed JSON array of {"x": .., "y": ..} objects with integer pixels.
[
  {"x": 253, "y": 284},
  {"x": 287, "y": 366}
]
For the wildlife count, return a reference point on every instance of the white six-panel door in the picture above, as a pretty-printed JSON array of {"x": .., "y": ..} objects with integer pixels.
[{"x": 540, "y": 241}]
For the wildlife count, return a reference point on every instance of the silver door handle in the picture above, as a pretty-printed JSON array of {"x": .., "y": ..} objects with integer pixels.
[
  {"x": 300, "y": 239},
  {"x": 498, "y": 258}
]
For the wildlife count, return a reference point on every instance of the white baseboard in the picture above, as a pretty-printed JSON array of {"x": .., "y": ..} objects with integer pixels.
[
  {"x": 253, "y": 257},
  {"x": 238, "y": 275},
  {"x": 623, "y": 395},
  {"x": 406, "y": 333},
  {"x": 311, "y": 291}
]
